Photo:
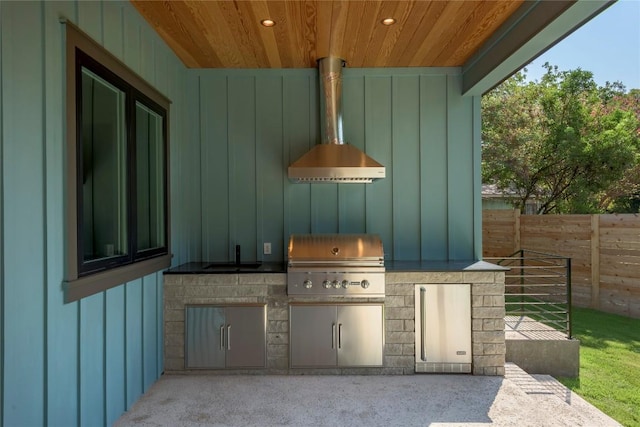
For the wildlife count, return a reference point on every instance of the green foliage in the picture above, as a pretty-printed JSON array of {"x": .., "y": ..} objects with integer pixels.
[
  {"x": 609, "y": 363},
  {"x": 563, "y": 141}
]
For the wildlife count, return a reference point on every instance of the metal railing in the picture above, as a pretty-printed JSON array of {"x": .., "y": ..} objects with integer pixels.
[{"x": 538, "y": 290}]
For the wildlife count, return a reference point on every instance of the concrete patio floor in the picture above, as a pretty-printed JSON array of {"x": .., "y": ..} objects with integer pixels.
[{"x": 518, "y": 399}]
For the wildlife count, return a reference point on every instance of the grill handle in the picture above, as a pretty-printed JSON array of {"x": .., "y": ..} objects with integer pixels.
[{"x": 302, "y": 262}]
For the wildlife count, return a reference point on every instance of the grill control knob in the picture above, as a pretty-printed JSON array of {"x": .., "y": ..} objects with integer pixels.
[
  {"x": 345, "y": 284},
  {"x": 336, "y": 284},
  {"x": 307, "y": 284},
  {"x": 326, "y": 284},
  {"x": 364, "y": 284}
]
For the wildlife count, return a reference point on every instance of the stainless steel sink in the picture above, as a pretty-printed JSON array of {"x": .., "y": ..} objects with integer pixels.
[{"x": 233, "y": 267}]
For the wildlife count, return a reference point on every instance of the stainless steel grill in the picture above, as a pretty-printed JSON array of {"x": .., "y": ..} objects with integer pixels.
[{"x": 350, "y": 265}]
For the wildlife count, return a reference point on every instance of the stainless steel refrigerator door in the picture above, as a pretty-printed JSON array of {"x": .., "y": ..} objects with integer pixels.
[{"x": 443, "y": 326}]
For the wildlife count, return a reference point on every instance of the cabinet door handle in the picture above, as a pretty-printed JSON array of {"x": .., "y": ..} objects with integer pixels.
[
  {"x": 423, "y": 323},
  {"x": 340, "y": 335},
  {"x": 333, "y": 335},
  {"x": 222, "y": 337},
  {"x": 228, "y": 337}
]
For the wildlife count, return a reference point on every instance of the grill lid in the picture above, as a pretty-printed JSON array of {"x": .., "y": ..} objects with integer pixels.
[{"x": 336, "y": 249}]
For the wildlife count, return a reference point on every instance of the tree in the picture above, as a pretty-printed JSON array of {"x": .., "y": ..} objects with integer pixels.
[
  {"x": 563, "y": 141},
  {"x": 624, "y": 195}
]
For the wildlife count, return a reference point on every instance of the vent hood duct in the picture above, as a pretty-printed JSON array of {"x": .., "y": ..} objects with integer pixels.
[{"x": 334, "y": 161}]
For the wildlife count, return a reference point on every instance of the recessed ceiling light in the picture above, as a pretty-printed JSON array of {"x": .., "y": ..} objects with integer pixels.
[
  {"x": 268, "y": 22},
  {"x": 388, "y": 21}
]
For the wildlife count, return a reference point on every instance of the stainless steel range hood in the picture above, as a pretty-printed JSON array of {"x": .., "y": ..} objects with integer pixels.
[{"x": 333, "y": 160}]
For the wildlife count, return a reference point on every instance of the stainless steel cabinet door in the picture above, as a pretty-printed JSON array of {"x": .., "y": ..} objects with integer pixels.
[
  {"x": 360, "y": 335},
  {"x": 204, "y": 341},
  {"x": 443, "y": 323},
  {"x": 245, "y": 337},
  {"x": 313, "y": 336}
]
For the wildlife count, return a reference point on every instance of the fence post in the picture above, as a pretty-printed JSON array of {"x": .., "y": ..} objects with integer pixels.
[
  {"x": 516, "y": 230},
  {"x": 595, "y": 261}
]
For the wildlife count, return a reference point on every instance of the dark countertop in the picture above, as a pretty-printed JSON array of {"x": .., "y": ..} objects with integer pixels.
[
  {"x": 281, "y": 267},
  {"x": 228, "y": 268},
  {"x": 444, "y": 266}
]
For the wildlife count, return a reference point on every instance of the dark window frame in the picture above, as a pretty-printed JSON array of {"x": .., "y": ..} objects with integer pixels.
[
  {"x": 158, "y": 109},
  {"x": 84, "y": 278}
]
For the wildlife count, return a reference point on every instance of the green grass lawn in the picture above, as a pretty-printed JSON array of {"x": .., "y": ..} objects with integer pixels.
[{"x": 609, "y": 363}]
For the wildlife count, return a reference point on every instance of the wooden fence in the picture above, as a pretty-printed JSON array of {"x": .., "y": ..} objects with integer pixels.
[{"x": 604, "y": 252}]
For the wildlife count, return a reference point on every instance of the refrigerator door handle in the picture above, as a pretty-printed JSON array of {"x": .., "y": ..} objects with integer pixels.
[{"x": 423, "y": 324}]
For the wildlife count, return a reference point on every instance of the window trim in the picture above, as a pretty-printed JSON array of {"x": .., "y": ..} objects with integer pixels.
[{"x": 76, "y": 284}]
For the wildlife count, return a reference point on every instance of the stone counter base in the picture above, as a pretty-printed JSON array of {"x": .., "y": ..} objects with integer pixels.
[{"x": 487, "y": 298}]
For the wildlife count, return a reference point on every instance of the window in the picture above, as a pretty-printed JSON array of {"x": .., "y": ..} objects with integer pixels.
[{"x": 117, "y": 201}]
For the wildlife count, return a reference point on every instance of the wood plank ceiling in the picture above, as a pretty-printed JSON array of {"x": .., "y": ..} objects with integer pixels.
[{"x": 228, "y": 34}]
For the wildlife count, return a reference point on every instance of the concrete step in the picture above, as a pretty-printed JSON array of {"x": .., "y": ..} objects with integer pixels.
[
  {"x": 540, "y": 349},
  {"x": 544, "y": 390},
  {"x": 528, "y": 383}
]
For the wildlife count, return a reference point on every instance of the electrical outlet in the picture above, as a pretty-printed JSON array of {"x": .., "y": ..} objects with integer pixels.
[{"x": 267, "y": 248}]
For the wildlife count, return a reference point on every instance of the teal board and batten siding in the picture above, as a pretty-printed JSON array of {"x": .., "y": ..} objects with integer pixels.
[
  {"x": 233, "y": 133},
  {"x": 254, "y": 123},
  {"x": 86, "y": 362}
]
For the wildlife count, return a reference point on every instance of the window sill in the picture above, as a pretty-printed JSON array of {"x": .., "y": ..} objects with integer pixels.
[{"x": 76, "y": 289}]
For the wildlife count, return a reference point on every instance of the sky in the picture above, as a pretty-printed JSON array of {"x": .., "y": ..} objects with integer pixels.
[{"x": 608, "y": 46}]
